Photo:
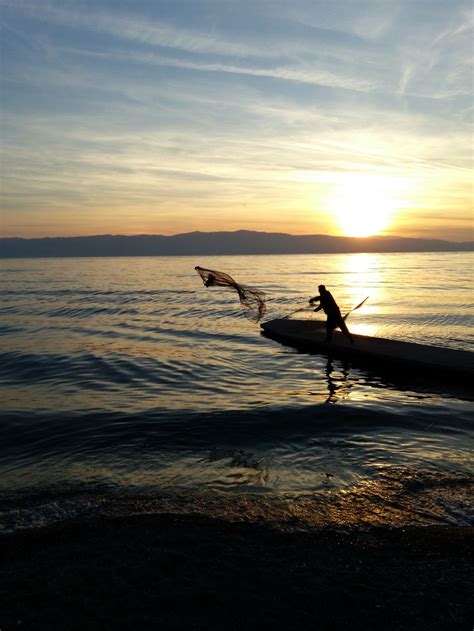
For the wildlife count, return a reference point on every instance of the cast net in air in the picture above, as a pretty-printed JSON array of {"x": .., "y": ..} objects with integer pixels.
[{"x": 250, "y": 298}]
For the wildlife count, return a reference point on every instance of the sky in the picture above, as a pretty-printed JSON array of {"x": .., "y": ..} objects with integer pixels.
[{"x": 341, "y": 117}]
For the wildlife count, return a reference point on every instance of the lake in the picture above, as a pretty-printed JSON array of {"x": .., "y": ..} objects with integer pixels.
[{"x": 129, "y": 387}]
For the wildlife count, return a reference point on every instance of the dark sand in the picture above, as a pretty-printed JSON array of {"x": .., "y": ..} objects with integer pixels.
[{"x": 193, "y": 572}]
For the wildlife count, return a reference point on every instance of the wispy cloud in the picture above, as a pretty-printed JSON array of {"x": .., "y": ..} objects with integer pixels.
[
  {"x": 302, "y": 59},
  {"x": 437, "y": 61},
  {"x": 149, "y": 119},
  {"x": 152, "y": 33},
  {"x": 305, "y": 73}
]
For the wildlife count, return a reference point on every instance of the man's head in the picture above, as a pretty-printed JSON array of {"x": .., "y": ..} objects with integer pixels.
[{"x": 322, "y": 288}]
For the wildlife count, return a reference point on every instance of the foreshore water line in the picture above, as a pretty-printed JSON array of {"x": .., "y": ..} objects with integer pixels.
[
  {"x": 188, "y": 571},
  {"x": 395, "y": 498}
]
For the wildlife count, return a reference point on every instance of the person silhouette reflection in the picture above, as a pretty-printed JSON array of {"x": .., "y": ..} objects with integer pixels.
[
  {"x": 338, "y": 386},
  {"x": 332, "y": 386},
  {"x": 330, "y": 308}
]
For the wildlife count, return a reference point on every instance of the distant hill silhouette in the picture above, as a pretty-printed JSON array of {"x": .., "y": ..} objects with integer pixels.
[{"x": 217, "y": 243}]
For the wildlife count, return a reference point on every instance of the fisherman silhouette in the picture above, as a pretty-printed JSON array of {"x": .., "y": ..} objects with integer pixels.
[{"x": 330, "y": 308}]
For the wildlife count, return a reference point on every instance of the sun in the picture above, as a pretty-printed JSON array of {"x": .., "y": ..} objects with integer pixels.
[{"x": 362, "y": 206}]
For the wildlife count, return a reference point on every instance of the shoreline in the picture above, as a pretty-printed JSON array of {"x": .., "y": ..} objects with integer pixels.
[{"x": 177, "y": 571}]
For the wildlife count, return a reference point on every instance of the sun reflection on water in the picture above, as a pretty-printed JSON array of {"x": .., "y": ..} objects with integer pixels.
[{"x": 366, "y": 274}]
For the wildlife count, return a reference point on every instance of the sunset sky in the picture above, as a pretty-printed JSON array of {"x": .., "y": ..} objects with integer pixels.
[{"x": 336, "y": 117}]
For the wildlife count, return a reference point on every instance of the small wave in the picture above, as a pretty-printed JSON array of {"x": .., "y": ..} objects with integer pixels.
[
  {"x": 260, "y": 428},
  {"x": 81, "y": 312},
  {"x": 397, "y": 497},
  {"x": 9, "y": 329}
]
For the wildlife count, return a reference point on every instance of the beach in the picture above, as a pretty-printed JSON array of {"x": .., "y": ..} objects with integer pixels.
[{"x": 193, "y": 572}]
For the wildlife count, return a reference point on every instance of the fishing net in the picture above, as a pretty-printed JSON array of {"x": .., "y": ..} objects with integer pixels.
[{"x": 250, "y": 298}]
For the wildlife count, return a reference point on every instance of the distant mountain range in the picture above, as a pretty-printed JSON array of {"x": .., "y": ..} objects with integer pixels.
[{"x": 217, "y": 243}]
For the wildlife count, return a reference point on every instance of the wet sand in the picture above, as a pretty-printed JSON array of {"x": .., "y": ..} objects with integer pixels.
[{"x": 192, "y": 572}]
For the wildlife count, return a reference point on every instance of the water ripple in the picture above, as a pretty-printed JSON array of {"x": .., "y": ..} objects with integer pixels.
[{"x": 128, "y": 374}]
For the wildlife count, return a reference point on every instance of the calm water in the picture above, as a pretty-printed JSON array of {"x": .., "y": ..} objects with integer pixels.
[{"x": 126, "y": 386}]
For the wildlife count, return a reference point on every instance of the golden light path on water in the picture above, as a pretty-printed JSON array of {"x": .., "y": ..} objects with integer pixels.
[{"x": 370, "y": 271}]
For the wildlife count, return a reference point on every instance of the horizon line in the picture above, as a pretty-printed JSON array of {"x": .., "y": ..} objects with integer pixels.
[{"x": 167, "y": 236}]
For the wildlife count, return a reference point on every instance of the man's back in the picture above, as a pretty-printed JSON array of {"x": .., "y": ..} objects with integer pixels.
[{"x": 328, "y": 304}]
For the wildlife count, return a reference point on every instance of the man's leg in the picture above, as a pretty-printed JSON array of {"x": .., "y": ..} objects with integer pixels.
[
  {"x": 343, "y": 326},
  {"x": 330, "y": 326}
]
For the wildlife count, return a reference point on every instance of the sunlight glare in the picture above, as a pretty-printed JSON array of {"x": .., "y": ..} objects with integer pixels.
[{"x": 363, "y": 205}]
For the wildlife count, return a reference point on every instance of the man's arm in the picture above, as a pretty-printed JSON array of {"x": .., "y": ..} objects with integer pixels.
[{"x": 316, "y": 299}]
